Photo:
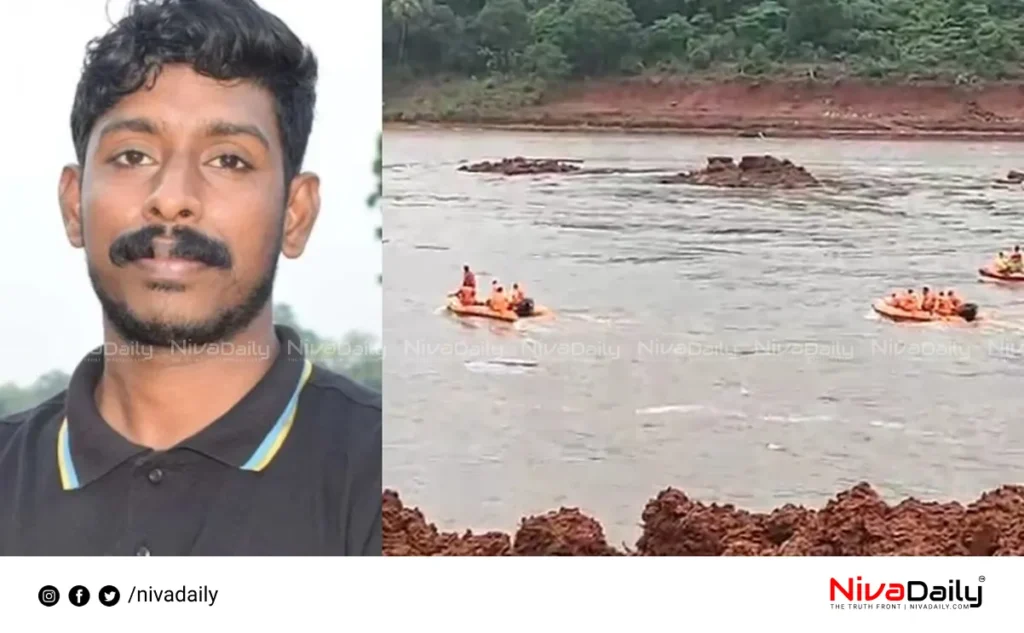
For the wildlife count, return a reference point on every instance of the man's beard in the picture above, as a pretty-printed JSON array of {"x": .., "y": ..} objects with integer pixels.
[
  {"x": 164, "y": 334},
  {"x": 222, "y": 326}
]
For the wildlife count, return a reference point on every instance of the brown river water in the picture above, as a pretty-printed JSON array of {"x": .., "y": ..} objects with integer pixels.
[{"x": 718, "y": 341}]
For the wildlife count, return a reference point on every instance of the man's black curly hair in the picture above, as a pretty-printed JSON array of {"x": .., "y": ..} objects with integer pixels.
[{"x": 222, "y": 39}]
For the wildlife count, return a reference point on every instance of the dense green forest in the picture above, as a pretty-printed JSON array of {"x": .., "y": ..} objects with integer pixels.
[{"x": 552, "y": 40}]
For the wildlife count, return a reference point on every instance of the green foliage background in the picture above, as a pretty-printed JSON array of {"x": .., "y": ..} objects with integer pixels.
[
  {"x": 357, "y": 355},
  {"x": 553, "y": 40}
]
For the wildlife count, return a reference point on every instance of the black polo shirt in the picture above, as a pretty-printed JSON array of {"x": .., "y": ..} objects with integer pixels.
[{"x": 293, "y": 469}]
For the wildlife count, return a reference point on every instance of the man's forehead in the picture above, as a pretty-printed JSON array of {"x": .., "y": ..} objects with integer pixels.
[{"x": 182, "y": 100}]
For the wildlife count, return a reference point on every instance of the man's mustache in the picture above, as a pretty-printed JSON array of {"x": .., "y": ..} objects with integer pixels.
[{"x": 189, "y": 244}]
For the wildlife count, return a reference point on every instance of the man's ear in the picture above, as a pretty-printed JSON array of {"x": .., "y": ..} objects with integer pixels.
[
  {"x": 301, "y": 213},
  {"x": 70, "y": 196}
]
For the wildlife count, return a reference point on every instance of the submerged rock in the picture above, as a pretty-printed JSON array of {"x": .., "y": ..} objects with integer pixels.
[
  {"x": 518, "y": 166},
  {"x": 1013, "y": 177},
  {"x": 751, "y": 172}
]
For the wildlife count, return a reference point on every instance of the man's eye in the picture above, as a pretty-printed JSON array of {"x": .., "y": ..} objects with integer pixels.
[
  {"x": 231, "y": 161},
  {"x": 131, "y": 158}
]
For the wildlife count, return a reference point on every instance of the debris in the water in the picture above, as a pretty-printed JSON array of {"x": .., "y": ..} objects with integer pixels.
[{"x": 514, "y": 362}]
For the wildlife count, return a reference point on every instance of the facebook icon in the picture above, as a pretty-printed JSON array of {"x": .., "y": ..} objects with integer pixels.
[{"x": 78, "y": 595}]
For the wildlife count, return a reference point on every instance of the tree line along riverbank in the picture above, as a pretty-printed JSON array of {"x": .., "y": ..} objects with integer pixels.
[{"x": 882, "y": 67}]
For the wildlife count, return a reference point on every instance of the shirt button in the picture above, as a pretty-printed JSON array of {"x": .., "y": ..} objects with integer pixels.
[
  {"x": 155, "y": 476},
  {"x": 142, "y": 551}
]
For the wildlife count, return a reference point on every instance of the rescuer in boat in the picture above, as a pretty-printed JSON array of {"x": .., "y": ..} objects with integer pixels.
[
  {"x": 467, "y": 292},
  {"x": 496, "y": 290},
  {"x": 1002, "y": 264},
  {"x": 520, "y": 303},
  {"x": 948, "y": 304},
  {"x": 944, "y": 304},
  {"x": 965, "y": 310},
  {"x": 466, "y": 295},
  {"x": 498, "y": 301},
  {"x": 954, "y": 301},
  {"x": 1016, "y": 260},
  {"x": 927, "y": 299},
  {"x": 909, "y": 302}
]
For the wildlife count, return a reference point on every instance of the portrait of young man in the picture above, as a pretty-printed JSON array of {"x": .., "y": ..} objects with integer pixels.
[{"x": 199, "y": 426}]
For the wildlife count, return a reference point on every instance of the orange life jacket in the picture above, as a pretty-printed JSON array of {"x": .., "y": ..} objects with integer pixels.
[
  {"x": 499, "y": 303},
  {"x": 910, "y": 303}
]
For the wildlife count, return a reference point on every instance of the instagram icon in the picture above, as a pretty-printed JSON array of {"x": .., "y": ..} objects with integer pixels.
[{"x": 49, "y": 596}]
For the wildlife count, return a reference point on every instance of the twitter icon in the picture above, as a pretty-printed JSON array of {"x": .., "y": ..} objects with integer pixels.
[{"x": 109, "y": 596}]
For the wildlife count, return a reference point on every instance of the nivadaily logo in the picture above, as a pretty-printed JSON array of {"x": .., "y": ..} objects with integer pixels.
[{"x": 912, "y": 594}]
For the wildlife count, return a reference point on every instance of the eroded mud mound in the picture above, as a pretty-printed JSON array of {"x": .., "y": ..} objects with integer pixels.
[
  {"x": 567, "y": 532},
  {"x": 519, "y": 166},
  {"x": 407, "y": 533},
  {"x": 750, "y": 172},
  {"x": 857, "y": 522}
]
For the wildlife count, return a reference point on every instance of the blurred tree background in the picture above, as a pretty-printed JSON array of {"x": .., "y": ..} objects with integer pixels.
[
  {"x": 357, "y": 355},
  {"x": 552, "y": 40},
  {"x": 374, "y": 199}
]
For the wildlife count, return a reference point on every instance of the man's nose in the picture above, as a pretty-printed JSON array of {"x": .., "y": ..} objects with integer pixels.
[{"x": 175, "y": 195}]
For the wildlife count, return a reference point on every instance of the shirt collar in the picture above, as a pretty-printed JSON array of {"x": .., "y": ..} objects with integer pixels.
[{"x": 246, "y": 437}]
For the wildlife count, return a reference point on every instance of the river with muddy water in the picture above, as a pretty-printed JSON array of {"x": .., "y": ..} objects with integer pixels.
[{"x": 719, "y": 341}]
